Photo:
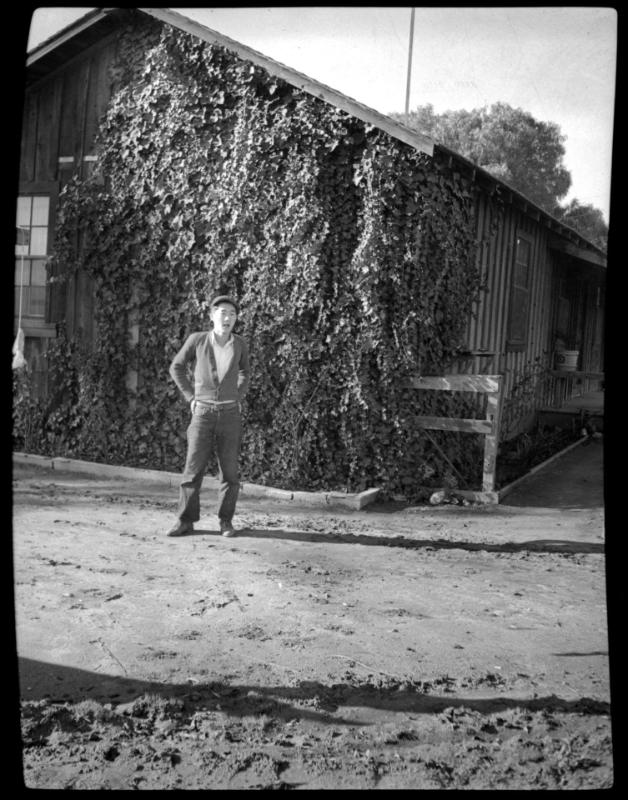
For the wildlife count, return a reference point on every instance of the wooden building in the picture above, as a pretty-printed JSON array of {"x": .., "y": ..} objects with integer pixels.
[{"x": 544, "y": 282}]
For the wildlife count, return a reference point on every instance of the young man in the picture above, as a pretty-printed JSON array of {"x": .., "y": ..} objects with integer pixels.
[{"x": 221, "y": 378}]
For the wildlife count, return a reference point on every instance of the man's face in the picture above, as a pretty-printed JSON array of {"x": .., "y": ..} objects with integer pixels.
[{"x": 224, "y": 318}]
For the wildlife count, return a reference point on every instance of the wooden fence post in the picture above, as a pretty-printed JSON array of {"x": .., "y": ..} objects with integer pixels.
[
  {"x": 491, "y": 385},
  {"x": 491, "y": 440}
]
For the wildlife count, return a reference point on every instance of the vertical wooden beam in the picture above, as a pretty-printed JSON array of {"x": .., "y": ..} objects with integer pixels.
[
  {"x": 29, "y": 138},
  {"x": 53, "y": 167},
  {"x": 44, "y": 128},
  {"x": 84, "y": 113},
  {"x": 491, "y": 441}
]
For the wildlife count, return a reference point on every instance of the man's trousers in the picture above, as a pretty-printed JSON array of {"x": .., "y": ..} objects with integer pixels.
[{"x": 213, "y": 429}]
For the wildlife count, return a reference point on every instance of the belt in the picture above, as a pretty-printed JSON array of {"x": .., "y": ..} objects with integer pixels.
[{"x": 225, "y": 404}]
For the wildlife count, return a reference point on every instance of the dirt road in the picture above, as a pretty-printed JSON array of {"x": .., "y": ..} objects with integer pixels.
[{"x": 449, "y": 647}]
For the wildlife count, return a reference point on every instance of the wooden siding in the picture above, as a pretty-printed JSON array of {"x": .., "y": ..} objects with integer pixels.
[
  {"x": 29, "y": 133},
  {"x": 97, "y": 96},
  {"x": 527, "y": 371},
  {"x": 60, "y": 121},
  {"x": 487, "y": 330}
]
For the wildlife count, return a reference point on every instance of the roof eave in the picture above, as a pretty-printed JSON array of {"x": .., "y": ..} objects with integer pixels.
[
  {"x": 298, "y": 79},
  {"x": 91, "y": 18},
  {"x": 579, "y": 243}
]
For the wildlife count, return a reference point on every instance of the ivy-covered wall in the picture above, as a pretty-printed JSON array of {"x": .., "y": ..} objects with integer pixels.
[{"x": 353, "y": 256}]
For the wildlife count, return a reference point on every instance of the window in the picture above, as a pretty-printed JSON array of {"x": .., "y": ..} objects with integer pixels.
[
  {"x": 520, "y": 296},
  {"x": 35, "y": 354},
  {"x": 564, "y": 310},
  {"x": 33, "y": 214}
]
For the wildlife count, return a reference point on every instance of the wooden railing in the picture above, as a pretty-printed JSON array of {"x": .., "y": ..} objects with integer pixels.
[
  {"x": 491, "y": 385},
  {"x": 561, "y": 386}
]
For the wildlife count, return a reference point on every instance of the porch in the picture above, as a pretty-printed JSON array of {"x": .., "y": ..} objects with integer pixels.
[{"x": 576, "y": 400}]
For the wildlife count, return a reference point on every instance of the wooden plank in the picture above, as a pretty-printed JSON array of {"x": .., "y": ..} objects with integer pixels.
[
  {"x": 45, "y": 146},
  {"x": 471, "y": 322},
  {"x": 69, "y": 117},
  {"x": 483, "y": 321},
  {"x": 70, "y": 306},
  {"x": 489, "y": 464},
  {"x": 38, "y": 81},
  {"x": 491, "y": 442},
  {"x": 102, "y": 88},
  {"x": 79, "y": 142},
  {"x": 73, "y": 113},
  {"x": 55, "y": 123},
  {"x": 493, "y": 410},
  {"x": 56, "y": 298},
  {"x": 457, "y": 383},
  {"x": 29, "y": 135},
  {"x": 498, "y": 297},
  {"x": 572, "y": 248},
  {"x": 450, "y": 424},
  {"x": 66, "y": 34},
  {"x": 91, "y": 113},
  {"x": 596, "y": 376},
  {"x": 37, "y": 328},
  {"x": 99, "y": 93},
  {"x": 40, "y": 187}
]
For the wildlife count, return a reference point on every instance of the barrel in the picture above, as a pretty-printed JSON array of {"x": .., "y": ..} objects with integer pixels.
[{"x": 567, "y": 360}]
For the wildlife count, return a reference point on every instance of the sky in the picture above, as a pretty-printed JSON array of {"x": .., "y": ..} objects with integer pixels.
[{"x": 556, "y": 62}]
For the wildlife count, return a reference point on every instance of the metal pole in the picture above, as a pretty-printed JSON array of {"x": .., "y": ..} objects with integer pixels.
[
  {"x": 19, "y": 318},
  {"x": 409, "y": 64}
]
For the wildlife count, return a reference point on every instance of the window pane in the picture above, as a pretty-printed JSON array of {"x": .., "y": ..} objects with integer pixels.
[
  {"x": 564, "y": 307},
  {"x": 41, "y": 206},
  {"x": 523, "y": 251},
  {"x": 519, "y": 316},
  {"x": 36, "y": 305},
  {"x": 39, "y": 241},
  {"x": 35, "y": 354},
  {"x": 522, "y": 272},
  {"x": 38, "y": 272},
  {"x": 22, "y": 276},
  {"x": 23, "y": 211}
]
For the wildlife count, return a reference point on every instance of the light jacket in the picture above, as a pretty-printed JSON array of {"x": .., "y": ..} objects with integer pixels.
[{"x": 198, "y": 349}]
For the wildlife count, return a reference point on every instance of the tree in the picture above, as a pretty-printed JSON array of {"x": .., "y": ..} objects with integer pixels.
[
  {"x": 507, "y": 142},
  {"x": 587, "y": 220},
  {"x": 517, "y": 149}
]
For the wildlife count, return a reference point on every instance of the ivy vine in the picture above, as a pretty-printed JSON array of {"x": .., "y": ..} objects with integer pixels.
[{"x": 353, "y": 255}]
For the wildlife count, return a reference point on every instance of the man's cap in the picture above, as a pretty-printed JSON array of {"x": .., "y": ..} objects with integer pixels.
[{"x": 224, "y": 298}]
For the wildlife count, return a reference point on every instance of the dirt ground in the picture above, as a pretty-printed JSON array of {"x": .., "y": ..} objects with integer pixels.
[{"x": 388, "y": 648}]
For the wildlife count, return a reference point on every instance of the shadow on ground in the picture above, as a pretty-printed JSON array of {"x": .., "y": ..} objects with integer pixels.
[
  {"x": 575, "y": 480},
  {"x": 536, "y": 545},
  {"x": 60, "y": 684}
]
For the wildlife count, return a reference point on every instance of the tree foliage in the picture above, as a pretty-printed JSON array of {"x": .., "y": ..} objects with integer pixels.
[
  {"x": 515, "y": 148},
  {"x": 587, "y": 220},
  {"x": 507, "y": 142},
  {"x": 353, "y": 255}
]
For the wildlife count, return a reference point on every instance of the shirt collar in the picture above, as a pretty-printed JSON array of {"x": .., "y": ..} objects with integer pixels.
[{"x": 228, "y": 343}]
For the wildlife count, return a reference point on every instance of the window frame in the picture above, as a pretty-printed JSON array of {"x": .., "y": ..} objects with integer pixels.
[
  {"x": 50, "y": 190},
  {"x": 515, "y": 342}
]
